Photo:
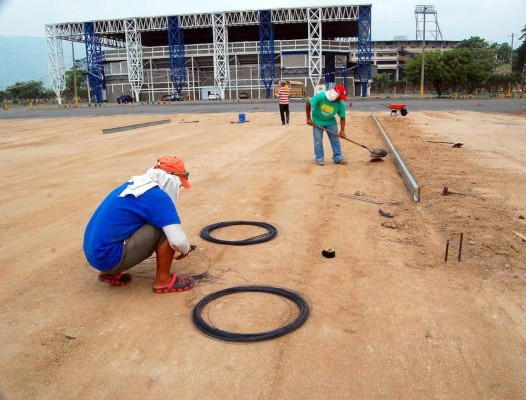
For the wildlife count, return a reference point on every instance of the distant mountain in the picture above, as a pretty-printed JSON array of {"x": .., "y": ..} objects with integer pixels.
[{"x": 25, "y": 59}]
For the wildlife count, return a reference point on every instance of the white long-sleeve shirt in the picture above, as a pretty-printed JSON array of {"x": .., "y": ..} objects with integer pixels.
[{"x": 177, "y": 238}]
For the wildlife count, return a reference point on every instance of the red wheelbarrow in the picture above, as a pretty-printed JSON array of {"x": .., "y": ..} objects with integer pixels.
[{"x": 397, "y": 109}]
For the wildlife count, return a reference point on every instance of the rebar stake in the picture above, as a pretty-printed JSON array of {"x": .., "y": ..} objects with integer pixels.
[
  {"x": 460, "y": 246},
  {"x": 447, "y": 250}
]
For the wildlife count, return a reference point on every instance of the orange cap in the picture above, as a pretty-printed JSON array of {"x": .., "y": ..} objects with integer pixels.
[
  {"x": 341, "y": 91},
  {"x": 175, "y": 166}
]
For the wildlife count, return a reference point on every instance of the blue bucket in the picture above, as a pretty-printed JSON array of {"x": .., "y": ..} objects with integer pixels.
[{"x": 241, "y": 118}]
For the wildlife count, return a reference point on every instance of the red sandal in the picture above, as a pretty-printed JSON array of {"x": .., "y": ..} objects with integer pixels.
[
  {"x": 177, "y": 284},
  {"x": 116, "y": 280}
]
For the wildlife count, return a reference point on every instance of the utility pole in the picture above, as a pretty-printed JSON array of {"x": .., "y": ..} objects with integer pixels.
[
  {"x": 511, "y": 65},
  {"x": 511, "y": 55},
  {"x": 74, "y": 74},
  {"x": 423, "y": 56}
]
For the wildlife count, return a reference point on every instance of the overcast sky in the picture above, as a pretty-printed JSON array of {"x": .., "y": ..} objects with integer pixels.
[{"x": 494, "y": 21}]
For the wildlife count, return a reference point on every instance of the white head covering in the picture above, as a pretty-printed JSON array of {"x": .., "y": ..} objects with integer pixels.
[
  {"x": 331, "y": 95},
  {"x": 171, "y": 184}
]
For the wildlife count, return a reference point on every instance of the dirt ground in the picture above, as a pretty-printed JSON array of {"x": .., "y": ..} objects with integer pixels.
[{"x": 389, "y": 318}]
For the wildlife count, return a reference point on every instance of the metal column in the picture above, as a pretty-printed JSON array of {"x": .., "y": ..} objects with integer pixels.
[
  {"x": 94, "y": 62},
  {"x": 134, "y": 56},
  {"x": 364, "y": 47},
  {"x": 341, "y": 67},
  {"x": 315, "y": 56},
  {"x": 57, "y": 74},
  {"x": 221, "y": 67},
  {"x": 177, "y": 58},
  {"x": 266, "y": 49},
  {"x": 330, "y": 71}
]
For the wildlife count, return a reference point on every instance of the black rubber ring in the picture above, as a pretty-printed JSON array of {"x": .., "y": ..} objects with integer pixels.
[
  {"x": 209, "y": 330},
  {"x": 271, "y": 234}
]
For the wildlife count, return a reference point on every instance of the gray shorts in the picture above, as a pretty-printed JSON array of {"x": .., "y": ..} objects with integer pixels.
[{"x": 138, "y": 247}]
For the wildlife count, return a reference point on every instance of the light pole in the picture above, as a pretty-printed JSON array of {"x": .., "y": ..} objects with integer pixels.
[
  {"x": 511, "y": 54},
  {"x": 423, "y": 56},
  {"x": 425, "y": 10},
  {"x": 74, "y": 74},
  {"x": 511, "y": 66}
]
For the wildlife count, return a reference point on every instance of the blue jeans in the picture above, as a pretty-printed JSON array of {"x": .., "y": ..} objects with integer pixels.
[{"x": 317, "y": 134}]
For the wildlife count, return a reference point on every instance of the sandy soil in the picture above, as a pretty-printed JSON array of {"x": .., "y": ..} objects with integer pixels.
[{"x": 389, "y": 318}]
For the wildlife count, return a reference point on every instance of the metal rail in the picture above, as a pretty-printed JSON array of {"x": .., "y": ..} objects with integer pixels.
[
  {"x": 410, "y": 183},
  {"x": 135, "y": 126}
]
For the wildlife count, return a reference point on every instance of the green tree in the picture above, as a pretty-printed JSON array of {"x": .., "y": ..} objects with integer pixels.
[
  {"x": 4, "y": 95},
  {"x": 480, "y": 47},
  {"x": 519, "y": 61},
  {"x": 457, "y": 69},
  {"x": 502, "y": 52},
  {"x": 499, "y": 56},
  {"x": 400, "y": 85},
  {"x": 49, "y": 94},
  {"x": 497, "y": 82},
  {"x": 27, "y": 90},
  {"x": 493, "y": 54},
  {"x": 82, "y": 85},
  {"x": 382, "y": 81}
]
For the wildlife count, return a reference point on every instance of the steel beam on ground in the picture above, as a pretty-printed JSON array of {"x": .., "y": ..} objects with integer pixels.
[
  {"x": 412, "y": 187},
  {"x": 135, "y": 126}
]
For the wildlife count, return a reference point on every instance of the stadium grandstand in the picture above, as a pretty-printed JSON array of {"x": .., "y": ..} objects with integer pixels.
[{"x": 224, "y": 55}]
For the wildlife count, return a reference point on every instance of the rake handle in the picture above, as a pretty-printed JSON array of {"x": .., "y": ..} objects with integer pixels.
[{"x": 346, "y": 138}]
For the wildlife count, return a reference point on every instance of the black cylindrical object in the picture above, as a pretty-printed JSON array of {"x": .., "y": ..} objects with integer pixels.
[
  {"x": 460, "y": 246},
  {"x": 328, "y": 253}
]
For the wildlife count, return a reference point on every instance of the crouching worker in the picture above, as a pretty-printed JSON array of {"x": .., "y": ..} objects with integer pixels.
[{"x": 137, "y": 219}]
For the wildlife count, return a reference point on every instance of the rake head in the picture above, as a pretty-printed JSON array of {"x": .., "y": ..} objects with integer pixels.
[{"x": 378, "y": 153}]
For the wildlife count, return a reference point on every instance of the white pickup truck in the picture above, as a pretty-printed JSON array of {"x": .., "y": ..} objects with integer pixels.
[{"x": 214, "y": 96}]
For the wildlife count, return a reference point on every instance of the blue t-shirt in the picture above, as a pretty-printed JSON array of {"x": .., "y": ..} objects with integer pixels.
[
  {"x": 323, "y": 110},
  {"x": 117, "y": 218}
]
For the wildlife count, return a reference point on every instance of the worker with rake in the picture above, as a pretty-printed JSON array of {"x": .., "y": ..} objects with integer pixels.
[
  {"x": 323, "y": 107},
  {"x": 137, "y": 219}
]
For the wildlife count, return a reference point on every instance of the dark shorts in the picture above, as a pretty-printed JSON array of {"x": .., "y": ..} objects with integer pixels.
[{"x": 138, "y": 247}]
